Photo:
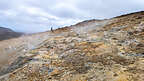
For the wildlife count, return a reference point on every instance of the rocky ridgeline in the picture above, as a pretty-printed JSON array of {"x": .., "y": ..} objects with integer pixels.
[{"x": 108, "y": 50}]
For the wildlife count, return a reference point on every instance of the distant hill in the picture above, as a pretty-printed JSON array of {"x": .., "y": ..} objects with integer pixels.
[{"x": 6, "y": 33}]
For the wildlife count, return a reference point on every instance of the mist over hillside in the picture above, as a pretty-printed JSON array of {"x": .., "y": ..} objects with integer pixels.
[{"x": 93, "y": 50}]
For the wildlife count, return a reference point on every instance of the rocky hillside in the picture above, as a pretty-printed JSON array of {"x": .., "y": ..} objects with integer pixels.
[
  {"x": 106, "y": 50},
  {"x": 6, "y": 33}
]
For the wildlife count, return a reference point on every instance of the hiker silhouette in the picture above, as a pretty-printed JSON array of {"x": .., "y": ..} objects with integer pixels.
[{"x": 51, "y": 29}]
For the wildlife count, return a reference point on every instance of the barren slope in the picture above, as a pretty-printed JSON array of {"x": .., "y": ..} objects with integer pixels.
[{"x": 108, "y": 50}]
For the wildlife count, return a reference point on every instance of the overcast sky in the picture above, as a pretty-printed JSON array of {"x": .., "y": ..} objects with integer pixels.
[{"x": 41, "y": 15}]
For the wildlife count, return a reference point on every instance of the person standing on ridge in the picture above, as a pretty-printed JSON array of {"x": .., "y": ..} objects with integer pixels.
[{"x": 51, "y": 29}]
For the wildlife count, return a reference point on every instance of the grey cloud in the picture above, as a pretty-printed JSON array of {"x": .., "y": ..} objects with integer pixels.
[
  {"x": 26, "y": 15},
  {"x": 109, "y": 8}
]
